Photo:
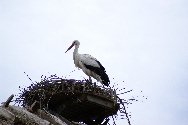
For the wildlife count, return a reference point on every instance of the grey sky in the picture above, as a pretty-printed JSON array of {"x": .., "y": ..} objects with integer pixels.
[{"x": 143, "y": 43}]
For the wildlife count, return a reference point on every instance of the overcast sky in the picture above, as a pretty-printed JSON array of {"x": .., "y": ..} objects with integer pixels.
[{"x": 141, "y": 42}]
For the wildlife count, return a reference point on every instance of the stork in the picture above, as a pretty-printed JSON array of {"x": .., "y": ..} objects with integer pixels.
[{"x": 89, "y": 65}]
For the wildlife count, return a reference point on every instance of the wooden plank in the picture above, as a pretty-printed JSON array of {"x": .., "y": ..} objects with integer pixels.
[{"x": 100, "y": 101}]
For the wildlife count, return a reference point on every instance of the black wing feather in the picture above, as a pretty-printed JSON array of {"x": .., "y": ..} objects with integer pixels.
[{"x": 99, "y": 71}]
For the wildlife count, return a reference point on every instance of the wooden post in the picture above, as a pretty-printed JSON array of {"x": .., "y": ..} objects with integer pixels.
[{"x": 6, "y": 104}]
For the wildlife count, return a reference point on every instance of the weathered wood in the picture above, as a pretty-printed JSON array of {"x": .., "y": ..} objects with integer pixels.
[
  {"x": 5, "y": 104},
  {"x": 26, "y": 117},
  {"x": 34, "y": 106},
  {"x": 100, "y": 101},
  {"x": 6, "y": 117},
  {"x": 14, "y": 115},
  {"x": 51, "y": 118}
]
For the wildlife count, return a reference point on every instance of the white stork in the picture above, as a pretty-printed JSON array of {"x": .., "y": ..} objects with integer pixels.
[{"x": 90, "y": 65}]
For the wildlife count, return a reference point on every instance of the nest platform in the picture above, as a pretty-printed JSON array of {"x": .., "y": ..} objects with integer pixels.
[{"x": 75, "y": 100}]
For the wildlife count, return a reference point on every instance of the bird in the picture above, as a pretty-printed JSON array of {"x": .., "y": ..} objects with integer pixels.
[{"x": 89, "y": 65}]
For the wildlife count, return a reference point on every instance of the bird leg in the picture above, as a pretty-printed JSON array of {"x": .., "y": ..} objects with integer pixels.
[{"x": 90, "y": 79}]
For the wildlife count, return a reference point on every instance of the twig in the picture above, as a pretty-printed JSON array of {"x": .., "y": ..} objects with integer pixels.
[{"x": 128, "y": 120}]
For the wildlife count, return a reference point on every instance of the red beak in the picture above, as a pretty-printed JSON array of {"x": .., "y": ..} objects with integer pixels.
[{"x": 70, "y": 47}]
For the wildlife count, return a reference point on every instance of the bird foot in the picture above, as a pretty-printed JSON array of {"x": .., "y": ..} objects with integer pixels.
[{"x": 87, "y": 80}]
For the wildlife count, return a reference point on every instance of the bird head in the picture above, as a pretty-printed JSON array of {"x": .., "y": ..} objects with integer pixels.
[{"x": 75, "y": 42}]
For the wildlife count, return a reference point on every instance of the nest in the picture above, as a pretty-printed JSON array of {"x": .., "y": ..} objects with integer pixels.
[{"x": 76, "y": 100}]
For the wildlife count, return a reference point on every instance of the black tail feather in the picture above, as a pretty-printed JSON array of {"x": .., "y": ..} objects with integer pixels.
[{"x": 105, "y": 79}]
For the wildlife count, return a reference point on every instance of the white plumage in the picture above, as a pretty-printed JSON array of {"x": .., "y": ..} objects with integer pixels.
[{"x": 89, "y": 65}]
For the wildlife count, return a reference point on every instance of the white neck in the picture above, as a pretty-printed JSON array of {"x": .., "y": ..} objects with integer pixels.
[
  {"x": 75, "y": 53},
  {"x": 76, "y": 50}
]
